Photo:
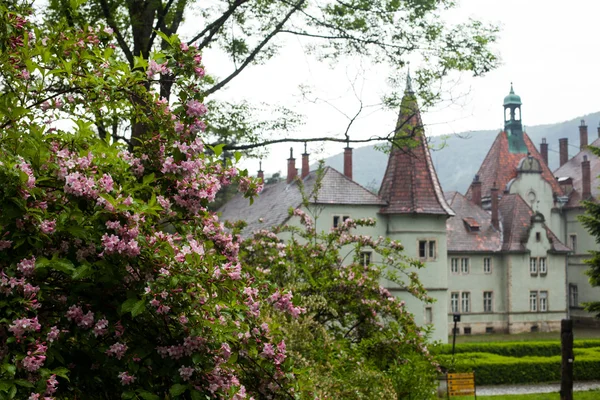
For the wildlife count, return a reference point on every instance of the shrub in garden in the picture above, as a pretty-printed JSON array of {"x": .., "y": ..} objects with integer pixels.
[
  {"x": 514, "y": 349},
  {"x": 115, "y": 280},
  {"x": 357, "y": 338}
]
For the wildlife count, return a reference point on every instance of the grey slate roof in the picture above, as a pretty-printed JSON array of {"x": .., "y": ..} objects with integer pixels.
[
  {"x": 273, "y": 203},
  {"x": 572, "y": 169},
  {"x": 460, "y": 237}
]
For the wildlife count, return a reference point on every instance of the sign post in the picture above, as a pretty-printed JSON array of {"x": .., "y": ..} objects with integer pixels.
[{"x": 456, "y": 318}]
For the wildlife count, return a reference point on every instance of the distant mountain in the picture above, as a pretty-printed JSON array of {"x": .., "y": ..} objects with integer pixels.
[{"x": 458, "y": 157}]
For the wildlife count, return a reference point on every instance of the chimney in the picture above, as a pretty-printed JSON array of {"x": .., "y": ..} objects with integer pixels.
[
  {"x": 583, "y": 135},
  {"x": 476, "y": 191},
  {"x": 563, "y": 146},
  {"x": 544, "y": 150},
  {"x": 348, "y": 161},
  {"x": 292, "y": 171},
  {"x": 305, "y": 167},
  {"x": 261, "y": 174},
  {"x": 586, "y": 184},
  {"x": 494, "y": 195}
]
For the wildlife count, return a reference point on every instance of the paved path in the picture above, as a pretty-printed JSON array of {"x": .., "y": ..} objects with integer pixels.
[{"x": 535, "y": 388}]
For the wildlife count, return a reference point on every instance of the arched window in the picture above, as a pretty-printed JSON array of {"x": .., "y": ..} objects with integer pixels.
[
  {"x": 507, "y": 114},
  {"x": 517, "y": 114}
]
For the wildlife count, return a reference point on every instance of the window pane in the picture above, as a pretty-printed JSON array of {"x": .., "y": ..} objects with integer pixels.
[
  {"x": 454, "y": 265},
  {"x": 465, "y": 302},
  {"x": 543, "y": 301},
  {"x": 464, "y": 262},
  {"x": 454, "y": 302},
  {"x": 336, "y": 221},
  {"x": 487, "y": 301},
  {"x": 428, "y": 315},
  {"x": 533, "y": 265},
  {"x": 543, "y": 268},
  {"x": 532, "y": 301},
  {"x": 487, "y": 265},
  {"x": 432, "y": 250},
  {"x": 422, "y": 248},
  {"x": 365, "y": 258}
]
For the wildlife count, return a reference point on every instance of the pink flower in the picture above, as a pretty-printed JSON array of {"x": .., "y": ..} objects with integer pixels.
[
  {"x": 195, "y": 108},
  {"x": 117, "y": 350},
  {"x": 126, "y": 379},
  {"x": 186, "y": 372},
  {"x": 47, "y": 226},
  {"x": 53, "y": 334},
  {"x": 108, "y": 31},
  {"x": 268, "y": 350},
  {"x": 184, "y": 47},
  {"x": 106, "y": 183},
  {"x": 101, "y": 328},
  {"x": 26, "y": 266},
  {"x": 21, "y": 326},
  {"x": 51, "y": 385}
]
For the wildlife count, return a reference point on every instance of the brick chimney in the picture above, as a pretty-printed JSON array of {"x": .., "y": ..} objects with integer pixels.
[
  {"x": 583, "y": 135},
  {"x": 261, "y": 173},
  {"x": 348, "y": 161},
  {"x": 494, "y": 194},
  {"x": 305, "y": 167},
  {"x": 292, "y": 171},
  {"x": 586, "y": 184},
  {"x": 476, "y": 191},
  {"x": 563, "y": 147},
  {"x": 544, "y": 150}
]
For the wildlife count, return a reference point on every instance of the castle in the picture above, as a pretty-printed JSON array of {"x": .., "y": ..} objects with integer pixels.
[{"x": 507, "y": 255}]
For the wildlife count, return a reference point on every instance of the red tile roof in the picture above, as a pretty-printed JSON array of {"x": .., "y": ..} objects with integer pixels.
[
  {"x": 410, "y": 184},
  {"x": 500, "y": 166}
]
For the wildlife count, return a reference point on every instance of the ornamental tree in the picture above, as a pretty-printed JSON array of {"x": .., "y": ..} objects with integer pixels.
[
  {"x": 115, "y": 279},
  {"x": 353, "y": 338}
]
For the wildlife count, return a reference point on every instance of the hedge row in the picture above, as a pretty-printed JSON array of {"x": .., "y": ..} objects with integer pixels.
[
  {"x": 494, "y": 369},
  {"x": 515, "y": 349}
]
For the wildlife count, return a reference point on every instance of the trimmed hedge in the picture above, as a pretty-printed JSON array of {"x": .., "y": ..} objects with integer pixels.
[
  {"x": 514, "y": 349},
  {"x": 495, "y": 369}
]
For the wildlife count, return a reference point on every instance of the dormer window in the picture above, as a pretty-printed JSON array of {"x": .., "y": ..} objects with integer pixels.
[{"x": 472, "y": 224}]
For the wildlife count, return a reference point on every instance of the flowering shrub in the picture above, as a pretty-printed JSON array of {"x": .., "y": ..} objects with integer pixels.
[
  {"x": 115, "y": 279},
  {"x": 353, "y": 338}
]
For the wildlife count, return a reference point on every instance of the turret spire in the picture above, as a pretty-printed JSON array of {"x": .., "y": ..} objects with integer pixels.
[{"x": 409, "y": 88}]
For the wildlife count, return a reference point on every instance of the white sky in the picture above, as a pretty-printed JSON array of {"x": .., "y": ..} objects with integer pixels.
[{"x": 549, "y": 49}]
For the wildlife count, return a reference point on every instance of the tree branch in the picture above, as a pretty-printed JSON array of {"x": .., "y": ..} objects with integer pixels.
[
  {"x": 257, "y": 49},
  {"x": 214, "y": 26},
  {"x": 111, "y": 22},
  {"x": 159, "y": 23}
]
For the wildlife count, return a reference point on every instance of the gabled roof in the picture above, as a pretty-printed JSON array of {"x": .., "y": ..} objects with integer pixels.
[
  {"x": 500, "y": 166},
  {"x": 572, "y": 169},
  {"x": 460, "y": 237},
  {"x": 516, "y": 223},
  {"x": 273, "y": 203},
  {"x": 410, "y": 184}
]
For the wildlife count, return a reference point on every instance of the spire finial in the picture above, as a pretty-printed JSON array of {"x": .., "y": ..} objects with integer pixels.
[
  {"x": 291, "y": 152},
  {"x": 409, "y": 88},
  {"x": 512, "y": 91},
  {"x": 305, "y": 151},
  {"x": 260, "y": 166}
]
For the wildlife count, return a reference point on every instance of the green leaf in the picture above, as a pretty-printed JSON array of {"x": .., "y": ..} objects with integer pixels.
[
  {"x": 62, "y": 372},
  {"x": 177, "y": 389},
  {"x": 237, "y": 156},
  {"x": 148, "y": 396},
  {"x": 149, "y": 179},
  {"x": 218, "y": 149},
  {"x": 5, "y": 386},
  {"x": 196, "y": 395},
  {"x": 165, "y": 37},
  {"x": 24, "y": 383},
  {"x": 128, "y": 395},
  {"x": 138, "y": 308},
  {"x": 128, "y": 305}
]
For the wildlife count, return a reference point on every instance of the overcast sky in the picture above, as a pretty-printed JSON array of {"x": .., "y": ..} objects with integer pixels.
[{"x": 549, "y": 49}]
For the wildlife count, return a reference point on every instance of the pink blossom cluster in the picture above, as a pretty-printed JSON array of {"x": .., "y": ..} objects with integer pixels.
[
  {"x": 47, "y": 226},
  {"x": 51, "y": 385},
  {"x": 136, "y": 164},
  {"x": 5, "y": 244},
  {"x": 26, "y": 168},
  {"x": 125, "y": 242},
  {"x": 75, "y": 314},
  {"x": 53, "y": 334},
  {"x": 305, "y": 219},
  {"x": 101, "y": 327},
  {"x": 80, "y": 185},
  {"x": 251, "y": 301},
  {"x": 186, "y": 372},
  {"x": 117, "y": 350},
  {"x": 190, "y": 345},
  {"x": 156, "y": 68},
  {"x": 35, "y": 358},
  {"x": 277, "y": 354},
  {"x": 195, "y": 108},
  {"x": 283, "y": 302},
  {"x": 125, "y": 378},
  {"x": 222, "y": 380},
  {"x": 20, "y": 327},
  {"x": 26, "y": 266}
]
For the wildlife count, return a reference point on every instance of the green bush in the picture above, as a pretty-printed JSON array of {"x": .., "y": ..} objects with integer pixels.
[
  {"x": 514, "y": 349},
  {"x": 495, "y": 369}
]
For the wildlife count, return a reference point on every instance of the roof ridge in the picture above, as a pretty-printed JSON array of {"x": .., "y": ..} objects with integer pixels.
[{"x": 357, "y": 184}]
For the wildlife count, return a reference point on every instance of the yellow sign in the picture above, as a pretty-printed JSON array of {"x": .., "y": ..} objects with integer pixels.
[{"x": 462, "y": 384}]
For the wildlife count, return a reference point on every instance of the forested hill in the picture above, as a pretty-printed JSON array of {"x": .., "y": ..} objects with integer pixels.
[{"x": 459, "y": 159}]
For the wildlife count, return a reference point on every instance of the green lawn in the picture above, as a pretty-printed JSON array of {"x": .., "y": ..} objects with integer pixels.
[
  {"x": 578, "y": 333},
  {"x": 590, "y": 395}
]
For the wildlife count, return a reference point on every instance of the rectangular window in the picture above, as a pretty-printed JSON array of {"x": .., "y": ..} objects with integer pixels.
[
  {"x": 454, "y": 302},
  {"x": 533, "y": 304},
  {"x": 487, "y": 265},
  {"x": 573, "y": 243},
  {"x": 454, "y": 265},
  {"x": 487, "y": 301},
  {"x": 464, "y": 265},
  {"x": 428, "y": 315},
  {"x": 543, "y": 266},
  {"x": 432, "y": 250},
  {"x": 365, "y": 258},
  {"x": 427, "y": 250},
  {"x": 543, "y": 301},
  {"x": 465, "y": 300},
  {"x": 338, "y": 219},
  {"x": 573, "y": 296},
  {"x": 538, "y": 237},
  {"x": 533, "y": 266}
]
